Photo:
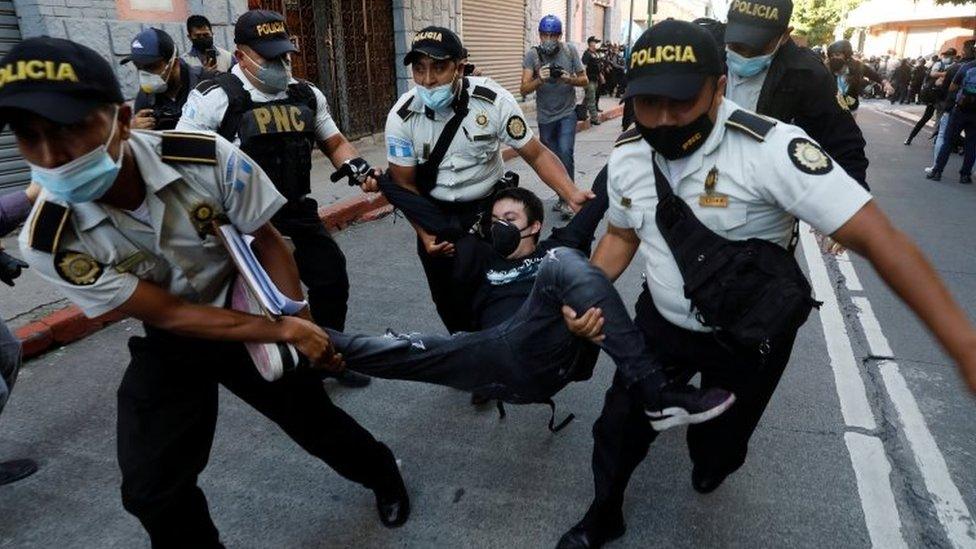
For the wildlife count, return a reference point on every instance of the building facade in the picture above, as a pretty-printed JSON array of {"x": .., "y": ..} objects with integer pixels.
[{"x": 909, "y": 28}]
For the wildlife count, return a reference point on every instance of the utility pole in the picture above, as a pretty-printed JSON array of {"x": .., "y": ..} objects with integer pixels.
[
  {"x": 630, "y": 27},
  {"x": 650, "y": 12}
]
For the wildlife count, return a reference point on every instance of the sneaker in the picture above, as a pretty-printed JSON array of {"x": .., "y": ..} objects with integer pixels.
[
  {"x": 687, "y": 404},
  {"x": 271, "y": 359},
  {"x": 966, "y": 179},
  {"x": 908, "y": 142},
  {"x": 928, "y": 170},
  {"x": 934, "y": 175},
  {"x": 563, "y": 209},
  {"x": 595, "y": 122}
]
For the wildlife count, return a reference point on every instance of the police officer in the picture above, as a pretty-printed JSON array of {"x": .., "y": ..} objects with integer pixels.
[
  {"x": 770, "y": 74},
  {"x": 851, "y": 74},
  {"x": 743, "y": 176},
  {"x": 124, "y": 225},
  {"x": 461, "y": 181},
  {"x": 165, "y": 80},
  {"x": 277, "y": 120}
]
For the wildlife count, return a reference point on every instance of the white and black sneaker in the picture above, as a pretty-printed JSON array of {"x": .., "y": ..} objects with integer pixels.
[{"x": 683, "y": 405}]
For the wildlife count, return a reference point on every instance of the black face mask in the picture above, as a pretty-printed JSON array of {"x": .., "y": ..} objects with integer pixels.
[
  {"x": 202, "y": 44},
  {"x": 674, "y": 142},
  {"x": 506, "y": 237},
  {"x": 836, "y": 65}
]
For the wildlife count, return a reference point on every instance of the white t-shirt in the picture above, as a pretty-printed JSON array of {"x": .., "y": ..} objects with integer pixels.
[{"x": 745, "y": 91}]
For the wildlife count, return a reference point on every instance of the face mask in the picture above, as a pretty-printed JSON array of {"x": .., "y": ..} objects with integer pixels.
[
  {"x": 947, "y": 60},
  {"x": 836, "y": 64},
  {"x": 438, "y": 97},
  {"x": 674, "y": 142},
  {"x": 274, "y": 75},
  {"x": 84, "y": 179},
  {"x": 150, "y": 82},
  {"x": 747, "y": 67},
  {"x": 549, "y": 47},
  {"x": 203, "y": 43},
  {"x": 506, "y": 237}
]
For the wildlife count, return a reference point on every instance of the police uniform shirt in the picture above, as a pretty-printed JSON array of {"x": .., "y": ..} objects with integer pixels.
[
  {"x": 205, "y": 112},
  {"x": 745, "y": 91},
  {"x": 739, "y": 186},
  {"x": 473, "y": 162},
  {"x": 103, "y": 251}
]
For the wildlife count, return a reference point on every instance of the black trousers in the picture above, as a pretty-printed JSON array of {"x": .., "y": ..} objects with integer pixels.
[
  {"x": 167, "y": 406},
  {"x": 622, "y": 434},
  {"x": 926, "y": 116},
  {"x": 321, "y": 264}
]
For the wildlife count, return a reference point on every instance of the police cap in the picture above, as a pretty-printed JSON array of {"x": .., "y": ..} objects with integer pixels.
[
  {"x": 57, "y": 79},
  {"x": 436, "y": 43},
  {"x": 264, "y": 32},
  {"x": 756, "y": 22},
  {"x": 672, "y": 59},
  {"x": 150, "y": 46}
]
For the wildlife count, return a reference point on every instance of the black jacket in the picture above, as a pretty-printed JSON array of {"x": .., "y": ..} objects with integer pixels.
[{"x": 799, "y": 90}]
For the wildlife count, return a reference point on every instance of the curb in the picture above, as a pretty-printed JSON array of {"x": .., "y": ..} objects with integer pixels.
[{"x": 69, "y": 324}]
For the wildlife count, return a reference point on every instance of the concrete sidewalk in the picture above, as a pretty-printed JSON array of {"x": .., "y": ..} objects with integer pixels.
[{"x": 43, "y": 319}]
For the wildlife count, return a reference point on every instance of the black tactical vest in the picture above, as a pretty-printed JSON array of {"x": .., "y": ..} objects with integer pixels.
[{"x": 278, "y": 135}]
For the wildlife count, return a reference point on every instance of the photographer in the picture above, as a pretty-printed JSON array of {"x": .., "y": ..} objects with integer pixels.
[
  {"x": 165, "y": 80},
  {"x": 14, "y": 208},
  {"x": 203, "y": 53}
]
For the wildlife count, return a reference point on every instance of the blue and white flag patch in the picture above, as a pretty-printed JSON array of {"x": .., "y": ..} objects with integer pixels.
[{"x": 398, "y": 147}]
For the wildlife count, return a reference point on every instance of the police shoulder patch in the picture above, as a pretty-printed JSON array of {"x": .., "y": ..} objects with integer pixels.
[
  {"x": 196, "y": 148},
  {"x": 404, "y": 111},
  {"x": 809, "y": 158},
  {"x": 78, "y": 269},
  {"x": 47, "y": 226},
  {"x": 628, "y": 136},
  {"x": 750, "y": 123},
  {"x": 516, "y": 127},
  {"x": 485, "y": 94}
]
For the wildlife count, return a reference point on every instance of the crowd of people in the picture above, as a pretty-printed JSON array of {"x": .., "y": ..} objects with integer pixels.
[{"x": 128, "y": 219}]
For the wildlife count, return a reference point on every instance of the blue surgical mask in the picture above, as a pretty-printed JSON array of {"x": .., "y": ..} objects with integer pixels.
[
  {"x": 438, "y": 97},
  {"x": 747, "y": 67},
  {"x": 84, "y": 179}
]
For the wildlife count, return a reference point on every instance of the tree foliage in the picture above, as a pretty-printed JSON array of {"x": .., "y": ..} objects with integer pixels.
[{"x": 817, "y": 19}]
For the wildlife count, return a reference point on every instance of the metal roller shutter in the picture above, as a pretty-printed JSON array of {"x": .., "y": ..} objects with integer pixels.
[
  {"x": 493, "y": 32},
  {"x": 13, "y": 170}
]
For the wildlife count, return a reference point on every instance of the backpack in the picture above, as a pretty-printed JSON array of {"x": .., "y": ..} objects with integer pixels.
[{"x": 967, "y": 92}]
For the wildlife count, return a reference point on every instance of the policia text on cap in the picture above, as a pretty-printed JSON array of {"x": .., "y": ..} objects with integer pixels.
[{"x": 743, "y": 176}]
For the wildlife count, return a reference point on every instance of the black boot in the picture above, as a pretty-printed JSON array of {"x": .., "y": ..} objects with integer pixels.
[
  {"x": 348, "y": 378},
  {"x": 706, "y": 479},
  {"x": 393, "y": 503},
  {"x": 16, "y": 469},
  {"x": 966, "y": 179},
  {"x": 908, "y": 142},
  {"x": 591, "y": 533}
]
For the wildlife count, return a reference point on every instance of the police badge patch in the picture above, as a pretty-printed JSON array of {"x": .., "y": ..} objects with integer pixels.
[
  {"x": 481, "y": 119},
  {"x": 809, "y": 158},
  {"x": 516, "y": 127},
  {"x": 77, "y": 268}
]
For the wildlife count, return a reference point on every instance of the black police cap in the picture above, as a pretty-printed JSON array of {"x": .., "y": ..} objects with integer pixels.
[
  {"x": 436, "y": 43},
  {"x": 263, "y": 31},
  {"x": 672, "y": 59},
  {"x": 756, "y": 22},
  {"x": 57, "y": 79}
]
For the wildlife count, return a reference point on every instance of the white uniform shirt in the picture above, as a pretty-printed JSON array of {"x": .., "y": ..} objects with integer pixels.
[
  {"x": 204, "y": 112},
  {"x": 767, "y": 183},
  {"x": 745, "y": 91},
  {"x": 473, "y": 162},
  {"x": 104, "y": 251}
]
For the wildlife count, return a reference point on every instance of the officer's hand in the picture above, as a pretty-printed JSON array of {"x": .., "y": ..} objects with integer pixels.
[
  {"x": 544, "y": 72},
  {"x": 588, "y": 326},
  {"x": 143, "y": 120},
  {"x": 10, "y": 268},
  {"x": 578, "y": 199},
  {"x": 434, "y": 248},
  {"x": 356, "y": 169},
  {"x": 372, "y": 183},
  {"x": 313, "y": 342}
]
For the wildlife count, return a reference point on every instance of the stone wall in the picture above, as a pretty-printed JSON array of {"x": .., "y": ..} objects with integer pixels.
[
  {"x": 409, "y": 16},
  {"x": 95, "y": 23}
]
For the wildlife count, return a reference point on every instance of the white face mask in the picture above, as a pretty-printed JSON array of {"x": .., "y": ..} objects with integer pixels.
[{"x": 150, "y": 82}]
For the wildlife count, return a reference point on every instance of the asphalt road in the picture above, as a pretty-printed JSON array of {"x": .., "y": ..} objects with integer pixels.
[{"x": 817, "y": 473}]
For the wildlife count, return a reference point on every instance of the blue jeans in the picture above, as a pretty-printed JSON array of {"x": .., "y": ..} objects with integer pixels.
[
  {"x": 958, "y": 122},
  {"x": 560, "y": 138},
  {"x": 9, "y": 362},
  {"x": 940, "y": 138},
  {"x": 526, "y": 359}
]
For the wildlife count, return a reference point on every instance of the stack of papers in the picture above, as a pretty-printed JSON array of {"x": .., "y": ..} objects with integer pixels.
[{"x": 258, "y": 282}]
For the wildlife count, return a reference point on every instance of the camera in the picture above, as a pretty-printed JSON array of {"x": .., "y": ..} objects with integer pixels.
[
  {"x": 556, "y": 72},
  {"x": 166, "y": 116},
  {"x": 211, "y": 55}
]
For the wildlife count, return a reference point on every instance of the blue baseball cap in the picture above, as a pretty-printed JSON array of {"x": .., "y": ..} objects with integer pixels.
[{"x": 150, "y": 46}]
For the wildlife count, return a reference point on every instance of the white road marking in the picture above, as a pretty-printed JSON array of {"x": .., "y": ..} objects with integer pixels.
[
  {"x": 872, "y": 470},
  {"x": 948, "y": 502},
  {"x": 850, "y": 275},
  {"x": 877, "y": 341},
  {"x": 847, "y": 379}
]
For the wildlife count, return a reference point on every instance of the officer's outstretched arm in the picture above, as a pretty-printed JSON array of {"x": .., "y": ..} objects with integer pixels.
[
  {"x": 340, "y": 151},
  {"x": 157, "y": 307},
  {"x": 905, "y": 269},
  {"x": 553, "y": 173}
]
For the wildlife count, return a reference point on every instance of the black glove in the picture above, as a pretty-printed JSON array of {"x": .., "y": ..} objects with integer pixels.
[
  {"x": 356, "y": 169},
  {"x": 10, "y": 268}
]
